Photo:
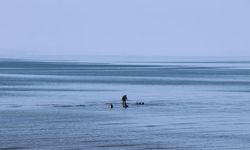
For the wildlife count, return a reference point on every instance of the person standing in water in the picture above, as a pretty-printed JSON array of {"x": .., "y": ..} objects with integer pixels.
[{"x": 124, "y": 101}]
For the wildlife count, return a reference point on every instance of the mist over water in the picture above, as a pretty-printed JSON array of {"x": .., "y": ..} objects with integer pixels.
[{"x": 190, "y": 103}]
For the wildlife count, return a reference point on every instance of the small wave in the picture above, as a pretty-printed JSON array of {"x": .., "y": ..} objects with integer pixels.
[
  {"x": 12, "y": 106},
  {"x": 13, "y": 148},
  {"x": 59, "y": 105},
  {"x": 151, "y": 125},
  {"x": 119, "y": 145}
]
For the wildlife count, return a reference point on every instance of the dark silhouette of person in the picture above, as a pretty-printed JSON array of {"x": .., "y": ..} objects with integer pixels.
[{"x": 124, "y": 101}]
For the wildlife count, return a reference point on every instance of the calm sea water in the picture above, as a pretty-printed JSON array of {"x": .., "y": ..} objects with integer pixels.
[{"x": 190, "y": 104}]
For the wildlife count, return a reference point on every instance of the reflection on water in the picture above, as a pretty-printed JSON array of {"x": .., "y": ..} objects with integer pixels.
[{"x": 65, "y": 105}]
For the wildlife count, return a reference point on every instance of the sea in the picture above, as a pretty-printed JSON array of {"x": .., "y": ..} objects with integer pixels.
[{"x": 190, "y": 103}]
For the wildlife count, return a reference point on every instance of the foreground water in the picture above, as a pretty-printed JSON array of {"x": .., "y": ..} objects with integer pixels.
[{"x": 189, "y": 105}]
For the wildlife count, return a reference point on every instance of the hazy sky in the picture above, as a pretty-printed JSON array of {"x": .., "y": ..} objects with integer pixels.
[{"x": 124, "y": 27}]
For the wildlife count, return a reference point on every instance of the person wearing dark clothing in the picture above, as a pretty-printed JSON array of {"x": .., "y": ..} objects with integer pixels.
[
  {"x": 111, "y": 106},
  {"x": 124, "y": 101}
]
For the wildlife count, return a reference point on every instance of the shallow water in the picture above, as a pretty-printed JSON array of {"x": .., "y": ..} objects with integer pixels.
[{"x": 189, "y": 105}]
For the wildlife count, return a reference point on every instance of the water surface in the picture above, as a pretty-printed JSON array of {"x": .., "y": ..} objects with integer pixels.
[{"x": 189, "y": 105}]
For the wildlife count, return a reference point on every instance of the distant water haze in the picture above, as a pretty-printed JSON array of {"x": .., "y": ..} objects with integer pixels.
[{"x": 64, "y": 28}]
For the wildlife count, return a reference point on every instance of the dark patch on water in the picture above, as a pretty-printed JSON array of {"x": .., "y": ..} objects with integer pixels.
[
  {"x": 119, "y": 145},
  {"x": 24, "y": 89},
  {"x": 13, "y": 148},
  {"x": 67, "y": 106},
  {"x": 193, "y": 62},
  {"x": 129, "y": 81},
  {"x": 115, "y": 123},
  {"x": 151, "y": 126},
  {"x": 13, "y": 94},
  {"x": 12, "y": 105},
  {"x": 83, "y": 69}
]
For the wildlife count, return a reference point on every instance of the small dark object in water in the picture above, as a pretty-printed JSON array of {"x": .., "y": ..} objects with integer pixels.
[
  {"x": 139, "y": 103},
  {"x": 111, "y": 106}
]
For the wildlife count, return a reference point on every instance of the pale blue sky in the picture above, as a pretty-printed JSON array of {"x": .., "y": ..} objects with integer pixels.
[{"x": 124, "y": 27}]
